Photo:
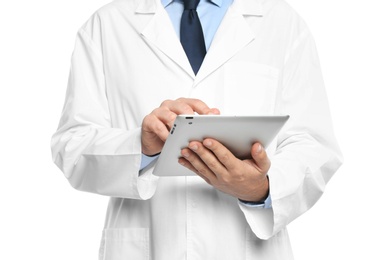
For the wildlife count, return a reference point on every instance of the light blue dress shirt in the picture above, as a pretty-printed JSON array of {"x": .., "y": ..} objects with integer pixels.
[{"x": 211, "y": 13}]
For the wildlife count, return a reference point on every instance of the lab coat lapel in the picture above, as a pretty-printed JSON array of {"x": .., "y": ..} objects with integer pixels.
[
  {"x": 159, "y": 32},
  {"x": 233, "y": 34}
]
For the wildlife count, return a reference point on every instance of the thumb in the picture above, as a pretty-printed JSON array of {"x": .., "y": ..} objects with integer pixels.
[{"x": 260, "y": 157}]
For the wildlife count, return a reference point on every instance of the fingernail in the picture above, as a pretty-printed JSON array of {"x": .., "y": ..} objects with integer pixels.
[
  {"x": 194, "y": 147},
  {"x": 214, "y": 111},
  {"x": 259, "y": 148},
  {"x": 185, "y": 154},
  {"x": 182, "y": 162},
  {"x": 207, "y": 143}
]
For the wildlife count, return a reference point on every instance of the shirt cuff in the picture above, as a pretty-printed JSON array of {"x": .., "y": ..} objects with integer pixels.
[
  {"x": 146, "y": 160},
  {"x": 264, "y": 204}
]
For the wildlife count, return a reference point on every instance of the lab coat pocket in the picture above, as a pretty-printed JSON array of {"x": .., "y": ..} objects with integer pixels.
[
  {"x": 250, "y": 88},
  {"x": 129, "y": 244}
]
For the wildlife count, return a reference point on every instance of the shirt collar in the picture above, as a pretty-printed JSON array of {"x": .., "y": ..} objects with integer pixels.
[{"x": 165, "y": 3}]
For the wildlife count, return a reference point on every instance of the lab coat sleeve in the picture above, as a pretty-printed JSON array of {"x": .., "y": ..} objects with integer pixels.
[
  {"x": 94, "y": 156},
  {"x": 307, "y": 154}
]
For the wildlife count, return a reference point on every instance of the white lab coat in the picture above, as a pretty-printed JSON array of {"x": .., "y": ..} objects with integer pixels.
[{"x": 127, "y": 60}]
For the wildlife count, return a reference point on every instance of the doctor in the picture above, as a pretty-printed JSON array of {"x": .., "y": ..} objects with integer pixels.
[{"x": 130, "y": 77}]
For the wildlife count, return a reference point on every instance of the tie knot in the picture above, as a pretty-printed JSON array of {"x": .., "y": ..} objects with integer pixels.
[{"x": 190, "y": 4}]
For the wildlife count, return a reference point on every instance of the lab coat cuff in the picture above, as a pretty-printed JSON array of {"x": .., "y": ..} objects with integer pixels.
[
  {"x": 146, "y": 183},
  {"x": 260, "y": 220}
]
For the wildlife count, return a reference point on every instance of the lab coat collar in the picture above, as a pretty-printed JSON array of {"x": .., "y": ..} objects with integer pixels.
[
  {"x": 159, "y": 33},
  {"x": 250, "y": 7},
  {"x": 233, "y": 34},
  {"x": 147, "y": 7}
]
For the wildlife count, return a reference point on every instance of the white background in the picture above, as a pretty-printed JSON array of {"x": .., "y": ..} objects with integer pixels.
[{"x": 42, "y": 217}]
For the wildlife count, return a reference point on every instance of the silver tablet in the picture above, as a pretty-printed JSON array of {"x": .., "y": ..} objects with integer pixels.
[{"x": 237, "y": 133}]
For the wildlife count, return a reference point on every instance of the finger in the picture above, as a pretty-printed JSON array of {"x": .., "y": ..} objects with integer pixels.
[
  {"x": 197, "y": 162},
  {"x": 214, "y": 111},
  {"x": 183, "y": 161},
  {"x": 166, "y": 116},
  {"x": 189, "y": 106},
  {"x": 224, "y": 156},
  {"x": 178, "y": 107},
  {"x": 169, "y": 110},
  {"x": 189, "y": 166},
  {"x": 153, "y": 125},
  {"x": 260, "y": 157},
  {"x": 198, "y": 106}
]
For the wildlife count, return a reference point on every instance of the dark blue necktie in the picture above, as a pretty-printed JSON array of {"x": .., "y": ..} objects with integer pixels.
[{"x": 191, "y": 35}]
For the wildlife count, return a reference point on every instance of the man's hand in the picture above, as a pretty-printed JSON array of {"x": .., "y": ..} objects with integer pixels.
[
  {"x": 243, "y": 179},
  {"x": 156, "y": 125}
]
